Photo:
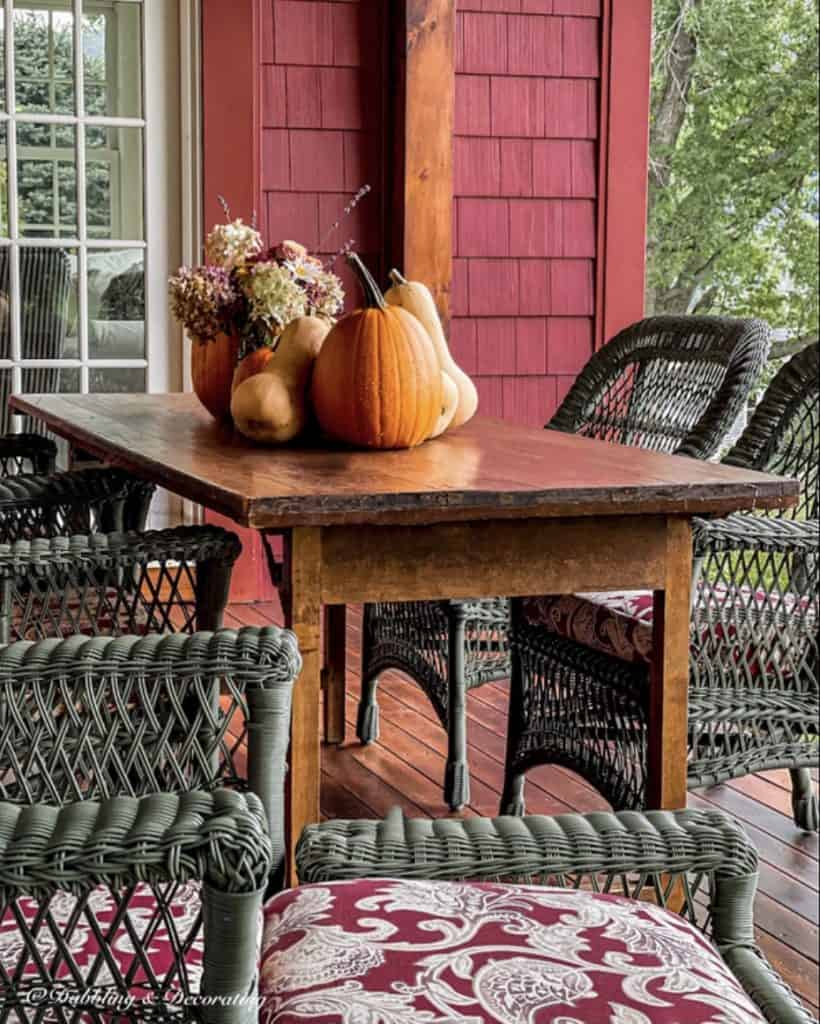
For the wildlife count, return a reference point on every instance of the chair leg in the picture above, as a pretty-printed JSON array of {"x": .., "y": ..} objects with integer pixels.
[
  {"x": 367, "y": 718},
  {"x": 212, "y": 590},
  {"x": 512, "y": 799},
  {"x": 804, "y": 800},
  {"x": 457, "y": 777}
]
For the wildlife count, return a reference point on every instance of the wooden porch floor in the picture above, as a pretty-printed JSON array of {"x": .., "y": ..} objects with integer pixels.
[{"x": 406, "y": 768}]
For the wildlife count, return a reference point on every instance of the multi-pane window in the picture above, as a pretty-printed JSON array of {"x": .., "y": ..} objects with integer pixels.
[{"x": 72, "y": 224}]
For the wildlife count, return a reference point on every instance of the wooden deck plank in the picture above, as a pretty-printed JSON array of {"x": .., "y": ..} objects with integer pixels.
[{"x": 405, "y": 768}]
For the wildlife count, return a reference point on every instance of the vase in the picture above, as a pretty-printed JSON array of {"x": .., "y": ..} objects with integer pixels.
[{"x": 212, "y": 365}]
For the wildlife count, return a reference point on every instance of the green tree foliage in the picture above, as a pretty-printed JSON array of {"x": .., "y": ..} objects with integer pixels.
[
  {"x": 733, "y": 207},
  {"x": 39, "y": 88}
]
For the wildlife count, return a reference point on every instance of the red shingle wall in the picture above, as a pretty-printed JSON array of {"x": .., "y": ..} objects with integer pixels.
[
  {"x": 322, "y": 124},
  {"x": 525, "y": 212}
]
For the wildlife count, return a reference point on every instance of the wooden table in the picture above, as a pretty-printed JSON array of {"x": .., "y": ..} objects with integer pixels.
[{"x": 491, "y": 509}]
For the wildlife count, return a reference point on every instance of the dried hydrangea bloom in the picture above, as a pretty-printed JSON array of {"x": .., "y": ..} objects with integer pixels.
[
  {"x": 229, "y": 245},
  {"x": 273, "y": 295},
  {"x": 204, "y": 300}
]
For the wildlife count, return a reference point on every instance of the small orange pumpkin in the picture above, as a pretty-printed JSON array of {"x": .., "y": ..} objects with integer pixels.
[
  {"x": 253, "y": 363},
  {"x": 212, "y": 365},
  {"x": 377, "y": 381}
]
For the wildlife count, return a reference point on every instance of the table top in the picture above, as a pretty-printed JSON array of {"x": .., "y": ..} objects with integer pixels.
[{"x": 487, "y": 469}]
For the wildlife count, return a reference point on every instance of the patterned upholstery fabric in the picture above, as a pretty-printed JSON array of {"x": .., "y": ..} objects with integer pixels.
[
  {"x": 619, "y": 624},
  {"x": 399, "y": 952}
]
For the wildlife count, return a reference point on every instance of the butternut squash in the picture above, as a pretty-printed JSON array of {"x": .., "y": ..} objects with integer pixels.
[
  {"x": 415, "y": 297},
  {"x": 271, "y": 406},
  {"x": 449, "y": 404}
]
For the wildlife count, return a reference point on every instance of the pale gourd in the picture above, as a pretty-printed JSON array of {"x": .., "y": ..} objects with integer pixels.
[
  {"x": 449, "y": 404},
  {"x": 415, "y": 297},
  {"x": 271, "y": 406}
]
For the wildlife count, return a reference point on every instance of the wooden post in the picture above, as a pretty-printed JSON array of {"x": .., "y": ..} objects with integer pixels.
[
  {"x": 420, "y": 143},
  {"x": 334, "y": 672},
  {"x": 305, "y": 618},
  {"x": 669, "y": 685}
]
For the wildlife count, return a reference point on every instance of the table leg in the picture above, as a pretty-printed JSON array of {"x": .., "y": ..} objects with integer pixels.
[
  {"x": 669, "y": 686},
  {"x": 333, "y": 674},
  {"x": 304, "y": 557}
]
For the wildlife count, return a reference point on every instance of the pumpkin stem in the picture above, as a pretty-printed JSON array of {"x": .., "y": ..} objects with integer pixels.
[
  {"x": 372, "y": 293},
  {"x": 397, "y": 277}
]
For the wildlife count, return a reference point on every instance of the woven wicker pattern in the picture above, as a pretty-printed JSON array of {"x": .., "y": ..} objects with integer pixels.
[
  {"x": 80, "y": 501},
  {"x": 26, "y": 453},
  {"x": 121, "y": 763},
  {"x": 671, "y": 384},
  {"x": 623, "y": 393},
  {"x": 753, "y": 642},
  {"x": 109, "y": 584},
  {"x": 699, "y": 862}
]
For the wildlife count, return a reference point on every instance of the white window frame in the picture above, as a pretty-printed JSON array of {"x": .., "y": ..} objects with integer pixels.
[{"x": 162, "y": 185}]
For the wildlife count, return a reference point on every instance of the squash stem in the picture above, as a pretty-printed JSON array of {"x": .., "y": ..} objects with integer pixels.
[
  {"x": 397, "y": 277},
  {"x": 372, "y": 293}
]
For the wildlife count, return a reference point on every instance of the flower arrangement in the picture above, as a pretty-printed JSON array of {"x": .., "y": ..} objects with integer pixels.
[
  {"x": 245, "y": 290},
  {"x": 240, "y": 301}
]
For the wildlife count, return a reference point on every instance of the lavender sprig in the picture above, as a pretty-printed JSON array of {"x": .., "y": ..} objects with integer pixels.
[{"x": 351, "y": 206}]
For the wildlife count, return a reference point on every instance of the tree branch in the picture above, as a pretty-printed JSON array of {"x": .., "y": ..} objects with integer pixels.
[{"x": 783, "y": 349}]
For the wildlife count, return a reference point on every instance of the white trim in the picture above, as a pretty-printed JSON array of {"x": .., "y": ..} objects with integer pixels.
[
  {"x": 193, "y": 235},
  {"x": 190, "y": 71},
  {"x": 72, "y": 243}
]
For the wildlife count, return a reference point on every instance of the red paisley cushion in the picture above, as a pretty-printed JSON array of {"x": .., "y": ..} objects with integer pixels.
[
  {"x": 619, "y": 624},
  {"x": 392, "y": 952}
]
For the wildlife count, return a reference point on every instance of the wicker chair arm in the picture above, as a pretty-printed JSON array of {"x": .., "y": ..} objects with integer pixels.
[
  {"x": 182, "y": 544},
  {"x": 776, "y": 1001},
  {"x": 40, "y": 451},
  {"x": 530, "y": 847},
  {"x": 260, "y": 655},
  {"x": 755, "y": 533},
  {"x": 82, "y": 484},
  {"x": 220, "y": 838}
]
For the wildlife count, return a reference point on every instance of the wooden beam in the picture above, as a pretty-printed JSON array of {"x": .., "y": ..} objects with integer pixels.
[
  {"x": 420, "y": 140},
  {"x": 623, "y": 165}
]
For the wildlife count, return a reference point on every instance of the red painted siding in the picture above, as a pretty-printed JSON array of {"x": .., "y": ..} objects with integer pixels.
[
  {"x": 526, "y": 178},
  {"x": 322, "y": 124}
]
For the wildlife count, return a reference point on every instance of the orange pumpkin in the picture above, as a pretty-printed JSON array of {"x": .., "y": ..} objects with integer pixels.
[
  {"x": 212, "y": 366},
  {"x": 377, "y": 381},
  {"x": 253, "y": 363}
]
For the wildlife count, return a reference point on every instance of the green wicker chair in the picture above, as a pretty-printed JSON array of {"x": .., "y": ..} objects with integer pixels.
[
  {"x": 132, "y": 832},
  {"x": 26, "y": 453},
  {"x": 700, "y": 862},
  {"x": 753, "y": 697},
  {"x": 73, "y": 558},
  {"x": 672, "y": 384}
]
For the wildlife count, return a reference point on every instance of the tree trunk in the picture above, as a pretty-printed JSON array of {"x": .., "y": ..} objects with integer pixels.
[{"x": 668, "y": 115}]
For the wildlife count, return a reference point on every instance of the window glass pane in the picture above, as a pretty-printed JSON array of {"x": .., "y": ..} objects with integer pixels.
[
  {"x": 114, "y": 183},
  {"x": 112, "y": 60},
  {"x": 6, "y": 256},
  {"x": 116, "y": 304},
  {"x": 123, "y": 380},
  {"x": 4, "y": 183},
  {"x": 2, "y": 59},
  {"x": 47, "y": 187},
  {"x": 48, "y": 305},
  {"x": 42, "y": 380},
  {"x": 44, "y": 57},
  {"x": 5, "y": 392}
]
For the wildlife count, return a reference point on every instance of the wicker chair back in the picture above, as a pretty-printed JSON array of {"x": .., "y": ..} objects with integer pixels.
[{"x": 670, "y": 384}]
